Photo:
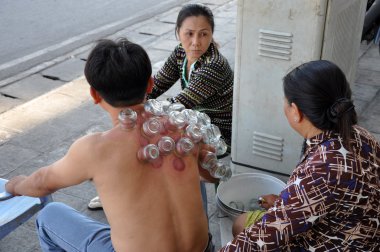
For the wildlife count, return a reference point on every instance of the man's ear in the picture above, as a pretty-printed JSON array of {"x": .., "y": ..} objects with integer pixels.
[
  {"x": 150, "y": 85},
  {"x": 95, "y": 96}
]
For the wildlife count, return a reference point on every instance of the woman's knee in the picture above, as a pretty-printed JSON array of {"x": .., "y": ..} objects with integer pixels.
[{"x": 239, "y": 224}]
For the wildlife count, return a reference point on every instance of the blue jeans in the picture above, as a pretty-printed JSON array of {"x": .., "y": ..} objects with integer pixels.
[
  {"x": 62, "y": 228},
  {"x": 204, "y": 197}
]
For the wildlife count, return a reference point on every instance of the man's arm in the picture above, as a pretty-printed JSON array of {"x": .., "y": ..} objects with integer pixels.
[{"x": 70, "y": 170}]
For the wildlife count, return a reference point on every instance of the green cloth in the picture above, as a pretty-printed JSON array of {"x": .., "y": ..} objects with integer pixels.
[{"x": 253, "y": 217}]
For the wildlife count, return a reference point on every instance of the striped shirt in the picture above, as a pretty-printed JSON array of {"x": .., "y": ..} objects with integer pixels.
[
  {"x": 209, "y": 89},
  {"x": 330, "y": 203}
]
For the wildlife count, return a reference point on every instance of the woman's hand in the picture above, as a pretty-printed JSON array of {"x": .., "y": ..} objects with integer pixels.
[{"x": 267, "y": 201}]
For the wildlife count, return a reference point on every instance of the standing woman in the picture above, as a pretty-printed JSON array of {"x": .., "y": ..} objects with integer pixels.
[
  {"x": 206, "y": 77},
  {"x": 331, "y": 201}
]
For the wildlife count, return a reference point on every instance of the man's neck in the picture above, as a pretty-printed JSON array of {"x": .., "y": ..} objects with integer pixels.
[{"x": 114, "y": 112}]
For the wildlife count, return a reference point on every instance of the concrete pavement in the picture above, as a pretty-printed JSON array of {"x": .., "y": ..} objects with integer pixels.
[{"x": 39, "y": 130}]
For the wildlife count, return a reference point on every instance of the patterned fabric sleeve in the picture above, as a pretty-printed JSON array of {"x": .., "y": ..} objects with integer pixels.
[
  {"x": 204, "y": 83},
  {"x": 303, "y": 203},
  {"x": 166, "y": 76}
]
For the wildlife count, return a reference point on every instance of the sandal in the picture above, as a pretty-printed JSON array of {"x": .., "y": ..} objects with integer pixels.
[{"x": 95, "y": 204}]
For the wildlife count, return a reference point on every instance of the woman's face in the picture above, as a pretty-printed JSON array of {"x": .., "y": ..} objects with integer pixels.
[{"x": 195, "y": 36}]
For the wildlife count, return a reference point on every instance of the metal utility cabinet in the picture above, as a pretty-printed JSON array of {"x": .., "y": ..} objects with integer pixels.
[{"x": 274, "y": 36}]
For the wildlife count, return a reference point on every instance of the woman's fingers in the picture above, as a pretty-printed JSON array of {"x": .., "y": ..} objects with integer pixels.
[{"x": 267, "y": 201}]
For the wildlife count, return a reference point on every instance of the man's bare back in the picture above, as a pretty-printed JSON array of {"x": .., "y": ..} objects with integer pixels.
[
  {"x": 150, "y": 207},
  {"x": 147, "y": 204}
]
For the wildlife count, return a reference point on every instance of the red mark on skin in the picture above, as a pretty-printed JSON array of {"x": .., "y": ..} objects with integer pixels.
[
  {"x": 143, "y": 141},
  {"x": 195, "y": 150},
  {"x": 176, "y": 137},
  {"x": 164, "y": 131},
  {"x": 140, "y": 121},
  {"x": 145, "y": 115},
  {"x": 178, "y": 164},
  {"x": 157, "y": 163}
]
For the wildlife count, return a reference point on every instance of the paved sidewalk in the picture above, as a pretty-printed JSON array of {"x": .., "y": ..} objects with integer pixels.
[{"x": 40, "y": 131}]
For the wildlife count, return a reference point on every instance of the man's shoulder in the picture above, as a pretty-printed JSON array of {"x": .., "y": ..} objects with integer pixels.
[
  {"x": 92, "y": 143},
  {"x": 95, "y": 137}
]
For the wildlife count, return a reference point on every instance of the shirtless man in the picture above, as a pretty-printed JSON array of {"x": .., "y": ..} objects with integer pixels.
[{"x": 149, "y": 207}]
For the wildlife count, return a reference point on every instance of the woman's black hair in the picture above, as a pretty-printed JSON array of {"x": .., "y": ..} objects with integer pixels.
[
  {"x": 191, "y": 10},
  {"x": 322, "y": 93}
]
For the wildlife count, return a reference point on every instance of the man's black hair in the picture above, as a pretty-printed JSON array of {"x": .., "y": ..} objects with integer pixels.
[{"x": 119, "y": 71}]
